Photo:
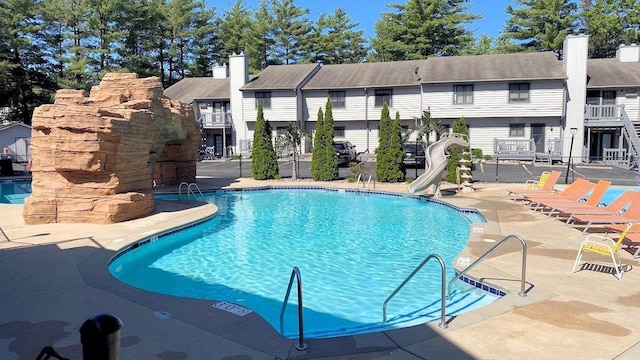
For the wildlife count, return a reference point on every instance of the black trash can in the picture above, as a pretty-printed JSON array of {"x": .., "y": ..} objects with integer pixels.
[
  {"x": 6, "y": 167},
  {"x": 100, "y": 337}
]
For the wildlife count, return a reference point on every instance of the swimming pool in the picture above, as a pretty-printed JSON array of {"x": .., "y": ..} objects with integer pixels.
[
  {"x": 352, "y": 250},
  {"x": 14, "y": 192}
]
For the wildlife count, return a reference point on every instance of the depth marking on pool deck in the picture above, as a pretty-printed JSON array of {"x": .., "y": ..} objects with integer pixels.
[{"x": 232, "y": 308}]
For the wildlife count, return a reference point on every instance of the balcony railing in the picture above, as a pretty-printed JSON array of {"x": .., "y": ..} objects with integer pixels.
[
  {"x": 603, "y": 113},
  {"x": 215, "y": 120}
]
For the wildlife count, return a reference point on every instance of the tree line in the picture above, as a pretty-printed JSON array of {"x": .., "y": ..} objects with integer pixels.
[{"x": 46, "y": 45}]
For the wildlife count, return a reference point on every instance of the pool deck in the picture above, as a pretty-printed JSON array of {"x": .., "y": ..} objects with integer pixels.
[{"x": 55, "y": 277}]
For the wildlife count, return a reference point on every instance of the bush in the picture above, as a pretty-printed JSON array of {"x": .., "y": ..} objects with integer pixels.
[{"x": 476, "y": 153}]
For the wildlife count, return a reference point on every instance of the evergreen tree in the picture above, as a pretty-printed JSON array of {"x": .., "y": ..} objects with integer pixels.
[
  {"x": 330, "y": 166},
  {"x": 264, "y": 164},
  {"x": 389, "y": 154},
  {"x": 333, "y": 40},
  {"x": 234, "y": 29},
  {"x": 260, "y": 38},
  {"x": 540, "y": 25},
  {"x": 421, "y": 28},
  {"x": 318, "y": 152},
  {"x": 610, "y": 23},
  {"x": 455, "y": 154},
  {"x": 291, "y": 31}
]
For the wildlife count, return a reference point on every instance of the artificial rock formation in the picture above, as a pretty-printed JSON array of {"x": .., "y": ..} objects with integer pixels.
[{"x": 95, "y": 156}]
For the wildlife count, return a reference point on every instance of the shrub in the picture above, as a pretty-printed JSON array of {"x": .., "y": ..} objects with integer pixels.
[
  {"x": 265, "y": 162},
  {"x": 477, "y": 153}
]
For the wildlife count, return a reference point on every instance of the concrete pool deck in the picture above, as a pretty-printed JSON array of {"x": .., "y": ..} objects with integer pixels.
[{"x": 55, "y": 277}]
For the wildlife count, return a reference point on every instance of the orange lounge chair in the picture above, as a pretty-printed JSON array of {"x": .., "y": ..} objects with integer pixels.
[
  {"x": 574, "y": 197},
  {"x": 616, "y": 207},
  {"x": 592, "y": 201},
  {"x": 632, "y": 214},
  {"x": 545, "y": 184},
  {"x": 556, "y": 195}
]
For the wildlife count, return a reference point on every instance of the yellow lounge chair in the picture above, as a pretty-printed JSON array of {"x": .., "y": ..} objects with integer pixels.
[
  {"x": 544, "y": 184},
  {"x": 591, "y": 245}
]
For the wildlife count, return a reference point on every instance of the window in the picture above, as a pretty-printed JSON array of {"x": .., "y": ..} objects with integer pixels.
[
  {"x": 516, "y": 130},
  {"x": 382, "y": 96},
  {"x": 338, "y": 131},
  {"x": 463, "y": 94},
  {"x": 519, "y": 92},
  {"x": 264, "y": 98},
  {"x": 337, "y": 99}
]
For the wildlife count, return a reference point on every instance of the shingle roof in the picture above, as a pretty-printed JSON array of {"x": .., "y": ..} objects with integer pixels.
[
  {"x": 189, "y": 89},
  {"x": 396, "y": 73},
  {"x": 446, "y": 69},
  {"x": 280, "y": 77},
  {"x": 603, "y": 73},
  {"x": 497, "y": 67}
]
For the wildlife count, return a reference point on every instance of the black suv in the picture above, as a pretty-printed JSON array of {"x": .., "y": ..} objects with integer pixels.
[
  {"x": 346, "y": 152},
  {"x": 414, "y": 154}
]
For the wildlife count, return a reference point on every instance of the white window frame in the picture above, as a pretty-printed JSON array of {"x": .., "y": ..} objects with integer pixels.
[
  {"x": 519, "y": 92},
  {"x": 463, "y": 94},
  {"x": 264, "y": 98},
  {"x": 338, "y": 99}
]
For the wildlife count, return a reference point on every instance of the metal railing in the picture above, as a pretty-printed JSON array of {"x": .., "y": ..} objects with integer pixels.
[
  {"x": 443, "y": 301},
  {"x": 524, "y": 263},
  {"x": 215, "y": 120},
  {"x": 295, "y": 273},
  {"x": 190, "y": 190},
  {"x": 364, "y": 186}
]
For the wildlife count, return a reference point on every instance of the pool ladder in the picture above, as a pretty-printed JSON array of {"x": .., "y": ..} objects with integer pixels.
[
  {"x": 443, "y": 323},
  {"x": 295, "y": 273},
  {"x": 363, "y": 184},
  {"x": 190, "y": 190}
]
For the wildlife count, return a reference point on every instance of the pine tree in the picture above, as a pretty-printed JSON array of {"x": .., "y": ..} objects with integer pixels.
[
  {"x": 455, "y": 154},
  {"x": 421, "y": 28},
  {"x": 264, "y": 160},
  {"x": 610, "y": 23},
  {"x": 318, "y": 152},
  {"x": 389, "y": 154},
  {"x": 540, "y": 25}
]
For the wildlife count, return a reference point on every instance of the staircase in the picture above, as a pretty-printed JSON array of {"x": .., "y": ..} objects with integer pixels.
[{"x": 631, "y": 135}]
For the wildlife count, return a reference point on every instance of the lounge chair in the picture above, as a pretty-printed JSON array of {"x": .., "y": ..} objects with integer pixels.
[
  {"x": 556, "y": 195},
  {"x": 545, "y": 184},
  {"x": 632, "y": 214},
  {"x": 574, "y": 197},
  {"x": 593, "y": 199},
  {"x": 615, "y": 207},
  {"x": 592, "y": 245}
]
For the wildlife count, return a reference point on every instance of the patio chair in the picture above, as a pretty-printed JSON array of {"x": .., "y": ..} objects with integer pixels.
[
  {"x": 632, "y": 214},
  {"x": 574, "y": 197},
  {"x": 545, "y": 184},
  {"x": 592, "y": 200},
  {"x": 632, "y": 240},
  {"x": 602, "y": 248},
  {"x": 617, "y": 206},
  {"x": 532, "y": 196}
]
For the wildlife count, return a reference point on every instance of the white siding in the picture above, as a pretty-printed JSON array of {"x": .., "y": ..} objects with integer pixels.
[
  {"x": 492, "y": 100},
  {"x": 354, "y": 101},
  {"x": 631, "y": 106},
  {"x": 283, "y": 106},
  {"x": 483, "y": 131},
  {"x": 405, "y": 100}
]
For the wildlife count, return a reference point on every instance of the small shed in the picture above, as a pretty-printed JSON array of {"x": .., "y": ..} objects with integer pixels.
[{"x": 15, "y": 138}]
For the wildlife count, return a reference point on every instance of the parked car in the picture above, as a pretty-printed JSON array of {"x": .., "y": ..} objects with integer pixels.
[
  {"x": 414, "y": 154},
  {"x": 346, "y": 152}
]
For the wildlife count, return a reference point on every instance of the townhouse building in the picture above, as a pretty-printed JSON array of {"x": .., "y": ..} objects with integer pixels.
[{"x": 513, "y": 104}]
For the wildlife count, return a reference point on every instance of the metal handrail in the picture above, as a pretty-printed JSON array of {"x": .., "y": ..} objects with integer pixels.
[
  {"x": 369, "y": 181},
  {"x": 524, "y": 263},
  {"x": 190, "y": 190},
  {"x": 358, "y": 180},
  {"x": 443, "y": 301},
  {"x": 294, "y": 273}
]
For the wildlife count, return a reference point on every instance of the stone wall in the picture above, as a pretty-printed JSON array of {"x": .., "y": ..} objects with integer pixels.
[{"x": 95, "y": 155}]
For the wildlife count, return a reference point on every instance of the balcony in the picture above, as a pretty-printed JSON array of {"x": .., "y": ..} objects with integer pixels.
[
  {"x": 215, "y": 120},
  {"x": 603, "y": 115}
]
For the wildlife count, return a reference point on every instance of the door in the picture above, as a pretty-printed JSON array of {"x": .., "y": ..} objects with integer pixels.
[
  {"x": 217, "y": 141},
  {"x": 537, "y": 134},
  {"x": 608, "y": 100}
]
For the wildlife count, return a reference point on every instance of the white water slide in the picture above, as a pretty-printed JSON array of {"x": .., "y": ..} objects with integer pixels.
[{"x": 436, "y": 163}]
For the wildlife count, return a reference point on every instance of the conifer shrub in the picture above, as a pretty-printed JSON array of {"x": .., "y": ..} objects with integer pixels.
[{"x": 264, "y": 165}]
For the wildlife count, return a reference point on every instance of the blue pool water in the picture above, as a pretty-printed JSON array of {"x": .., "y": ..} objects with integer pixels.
[
  {"x": 14, "y": 192},
  {"x": 352, "y": 251}
]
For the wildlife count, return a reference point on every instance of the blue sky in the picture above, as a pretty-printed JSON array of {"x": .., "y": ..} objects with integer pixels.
[{"x": 367, "y": 12}]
